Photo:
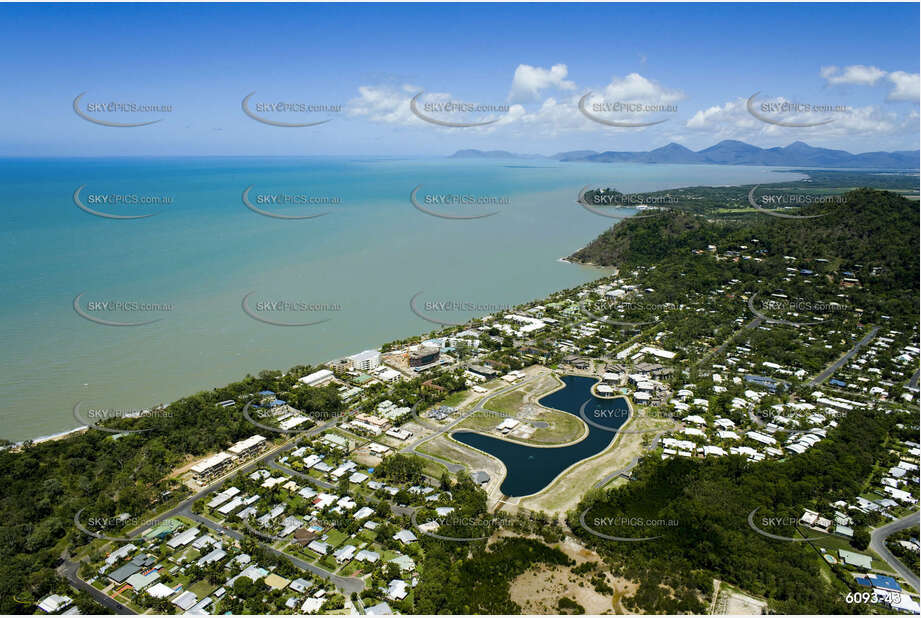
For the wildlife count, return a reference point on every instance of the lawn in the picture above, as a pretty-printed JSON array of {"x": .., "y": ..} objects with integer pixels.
[
  {"x": 481, "y": 421},
  {"x": 832, "y": 544},
  {"x": 388, "y": 555},
  {"x": 202, "y": 588},
  {"x": 455, "y": 398},
  {"x": 328, "y": 563},
  {"x": 509, "y": 403},
  {"x": 336, "y": 538},
  {"x": 350, "y": 568}
]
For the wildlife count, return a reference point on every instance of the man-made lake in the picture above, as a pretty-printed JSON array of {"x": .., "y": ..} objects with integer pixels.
[{"x": 531, "y": 468}]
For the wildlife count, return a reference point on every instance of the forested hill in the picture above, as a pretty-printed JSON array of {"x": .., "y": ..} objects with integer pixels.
[{"x": 874, "y": 229}]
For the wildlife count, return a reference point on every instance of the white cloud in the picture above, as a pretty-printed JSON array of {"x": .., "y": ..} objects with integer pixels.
[
  {"x": 905, "y": 86},
  {"x": 386, "y": 104},
  {"x": 391, "y": 105},
  {"x": 528, "y": 81},
  {"x": 733, "y": 121},
  {"x": 857, "y": 74},
  {"x": 636, "y": 88}
]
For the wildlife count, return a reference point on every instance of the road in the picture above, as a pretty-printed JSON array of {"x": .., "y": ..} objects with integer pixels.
[
  {"x": 632, "y": 464},
  {"x": 755, "y": 323},
  {"x": 838, "y": 364},
  {"x": 913, "y": 382},
  {"x": 269, "y": 459},
  {"x": 69, "y": 571},
  {"x": 878, "y": 544},
  {"x": 346, "y": 584},
  {"x": 454, "y": 468},
  {"x": 184, "y": 509}
]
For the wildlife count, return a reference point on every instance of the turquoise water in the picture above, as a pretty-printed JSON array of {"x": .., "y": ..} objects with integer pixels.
[
  {"x": 203, "y": 252},
  {"x": 529, "y": 468}
]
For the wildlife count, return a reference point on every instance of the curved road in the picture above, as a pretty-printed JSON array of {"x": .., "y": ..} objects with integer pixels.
[
  {"x": 69, "y": 571},
  {"x": 454, "y": 468},
  {"x": 878, "y": 544}
]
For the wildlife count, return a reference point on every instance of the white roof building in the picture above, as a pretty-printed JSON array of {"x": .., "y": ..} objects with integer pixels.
[
  {"x": 760, "y": 437},
  {"x": 317, "y": 378}
]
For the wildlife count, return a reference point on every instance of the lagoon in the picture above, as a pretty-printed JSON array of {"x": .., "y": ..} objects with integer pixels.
[{"x": 529, "y": 469}]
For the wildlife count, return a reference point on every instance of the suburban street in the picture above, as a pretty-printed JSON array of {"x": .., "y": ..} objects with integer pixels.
[
  {"x": 184, "y": 509},
  {"x": 755, "y": 323},
  {"x": 838, "y": 364},
  {"x": 878, "y": 544},
  {"x": 69, "y": 571},
  {"x": 346, "y": 584}
]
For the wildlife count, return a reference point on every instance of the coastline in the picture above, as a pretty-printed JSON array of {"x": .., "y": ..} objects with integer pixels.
[
  {"x": 229, "y": 348},
  {"x": 61, "y": 435}
]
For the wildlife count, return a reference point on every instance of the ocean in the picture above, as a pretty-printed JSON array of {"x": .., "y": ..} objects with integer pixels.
[{"x": 349, "y": 275}]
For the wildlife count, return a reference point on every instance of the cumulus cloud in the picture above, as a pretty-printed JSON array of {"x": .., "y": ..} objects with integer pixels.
[
  {"x": 856, "y": 74},
  {"x": 528, "y": 82},
  {"x": 906, "y": 86},
  {"x": 388, "y": 104},
  {"x": 391, "y": 105},
  {"x": 732, "y": 120},
  {"x": 636, "y": 88}
]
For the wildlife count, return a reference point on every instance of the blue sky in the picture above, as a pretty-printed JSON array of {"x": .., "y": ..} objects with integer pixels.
[{"x": 538, "y": 59}]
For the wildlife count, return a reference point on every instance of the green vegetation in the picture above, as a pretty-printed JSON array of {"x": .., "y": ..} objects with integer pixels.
[
  {"x": 401, "y": 468},
  {"x": 479, "y": 578},
  {"x": 568, "y": 606},
  {"x": 908, "y": 556},
  {"x": 710, "y": 501}
]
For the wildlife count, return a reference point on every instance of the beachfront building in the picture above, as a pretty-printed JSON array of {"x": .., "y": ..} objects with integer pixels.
[
  {"x": 317, "y": 378},
  {"x": 423, "y": 355},
  {"x": 248, "y": 447},
  {"x": 212, "y": 466},
  {"x": 365, "y": 361}
]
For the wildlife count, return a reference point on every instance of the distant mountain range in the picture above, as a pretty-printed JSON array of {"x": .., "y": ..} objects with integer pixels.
[{"x": 727, "y": 152}]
